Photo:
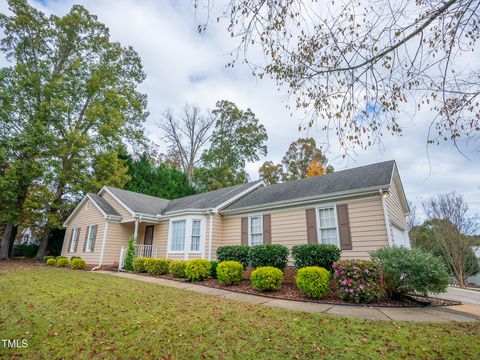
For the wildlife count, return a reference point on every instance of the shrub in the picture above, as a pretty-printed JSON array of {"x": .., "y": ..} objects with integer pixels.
[
  {"x": 359, "y": 281},
  {"x": 130, "y": 255},
  {"x": 51, "y": 262},
  {"x": 213, "y": 268},
  {"x": 198, "y": 269},
  {"x": 230, "y": 272},
  {"x": 177, "y": 268},
  {"x": 75, "y": 257},
  {"x": 411, "y": 271},
  {"x": 234, "y": 253},
  {"x": 267, "y": 278},
  {"x": 78, "y": 264},
  {"x": 313, "y": 281},
  {"x": 268, "y": 255},
  {"x": 322, "y": 255},
  {"x": 46, "y": 258},
  {"x": 25, "y": 250},
  {"x": 63, "y": 262},
  {"x": 60, "y": 257},
  {"x": 139, "y": 265},
  {"x": 155, "y": 266}
]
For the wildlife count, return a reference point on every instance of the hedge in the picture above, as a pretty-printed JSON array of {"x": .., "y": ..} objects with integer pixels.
[
  {"x": 275, "y": 255},
  {"x": 234, "y": 253},
  {"x": 198, "y": 269},
  {"x": 322, "y": 255},
  {"x": 156, "y": 266}
]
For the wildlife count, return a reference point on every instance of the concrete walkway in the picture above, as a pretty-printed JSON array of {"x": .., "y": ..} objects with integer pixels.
[{"x": 467, "y": 312}]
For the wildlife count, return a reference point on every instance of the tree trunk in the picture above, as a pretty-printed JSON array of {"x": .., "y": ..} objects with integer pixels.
[
  {"x": 13, "y": 236},
  {"x": 7, "y": 235},
  {"x": 42, "y": 249}
]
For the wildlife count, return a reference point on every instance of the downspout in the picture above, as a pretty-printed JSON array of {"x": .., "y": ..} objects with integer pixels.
[
  {"x": 210, "y": 235},
  {"x": 383, "y": 195},
  {"x": 104, "y": 240}
]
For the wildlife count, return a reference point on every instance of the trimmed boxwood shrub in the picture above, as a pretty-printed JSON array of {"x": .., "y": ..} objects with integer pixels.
[
  {"x": 177, "y": 268},
  {"x": 60, "y": 257},
  {"x": 156, "y": 266},
  {"x": 230, "y": 272},
  {"x": 51, "y": 262},
  {"x": 74, "y": 257},
  {"x": 78, "y": 264},
  {"x": 411, "y": 271},
  {"x": 313, "y": 281},
  {"x": 63, "y": 262},
  {"x": 275, "y": 255},
  {"x": 46, "y": 258},
  {"x": 139, "y": 265},
  {"x": 359, "y": 281},
  {"x": 198, "y": 269},
  {"x": 213, "y": 269},
  {"x": 235, "y": 253},
  {"x": 323, "y": 255},
  {"x": 267, "y": 278}
]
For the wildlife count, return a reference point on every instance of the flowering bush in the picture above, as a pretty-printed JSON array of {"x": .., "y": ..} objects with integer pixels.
[
  {"x": 359, "y": 281},
  {"x": 313, "y": 281}
]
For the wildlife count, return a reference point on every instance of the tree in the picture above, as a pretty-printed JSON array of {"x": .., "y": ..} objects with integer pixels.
[
  {"x": 353, "y": 64},
  {"x": 186, "y": 135},
  {"x": 271, "y": 173},
  {"x": 237, "y": 137},
  {"x": 158, "y": 180},
  {"x": 315, "y": 168},
  {"x": 79, "y": 91}
]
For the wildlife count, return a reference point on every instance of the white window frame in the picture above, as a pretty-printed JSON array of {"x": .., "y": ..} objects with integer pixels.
[
  {"x": 88, "y": 246},
  {"x": 188, "y": 235},
  {"x": 75, "y": 238},
  {"x": 88, "y": 205},
  {"x": 319, "y": 229},
  {"x": 250, "y": 228}
]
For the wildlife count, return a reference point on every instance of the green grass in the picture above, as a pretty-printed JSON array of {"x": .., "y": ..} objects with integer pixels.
[{"x": 75, "y": 314}]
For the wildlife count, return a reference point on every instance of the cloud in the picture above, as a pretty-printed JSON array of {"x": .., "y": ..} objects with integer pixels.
[{"x": 184, "y": 66}]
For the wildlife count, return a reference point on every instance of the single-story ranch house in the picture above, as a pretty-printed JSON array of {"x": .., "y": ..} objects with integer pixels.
[{"x": 359, "y": 210}]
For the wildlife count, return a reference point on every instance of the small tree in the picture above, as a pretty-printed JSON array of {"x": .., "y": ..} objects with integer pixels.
[{"x": 130, "y": 254}]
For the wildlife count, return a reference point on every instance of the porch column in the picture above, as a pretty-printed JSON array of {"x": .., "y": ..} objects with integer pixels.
[{"x": 135, "y": 233}]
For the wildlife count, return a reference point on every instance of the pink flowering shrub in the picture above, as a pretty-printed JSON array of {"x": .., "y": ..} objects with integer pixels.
[{"x": 359, "y": 281}]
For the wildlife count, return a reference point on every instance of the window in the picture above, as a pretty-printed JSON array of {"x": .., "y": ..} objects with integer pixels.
[
  {"x": 90, "y": 238},
  {"x": 196, "y": 231},
  {"x": 255, "y": 230},
  {"x": 89, "y": 204},
  {"x": 74, "y": 242},
  {"x": 178, "y": 236},
  {"x": 327, "y": 220}
]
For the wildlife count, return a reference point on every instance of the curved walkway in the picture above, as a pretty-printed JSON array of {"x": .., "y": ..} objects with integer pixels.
[{"x": 467, "y": 312}]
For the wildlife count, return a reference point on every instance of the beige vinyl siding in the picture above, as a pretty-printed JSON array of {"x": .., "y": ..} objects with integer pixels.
[
  {"x": 124, "y": 213},
  {"x": 82, "y": 219},
  {"x": 117, "y": 236},
  {"x": 160, "y": 238},
  {"x": 289, "y": 227},
  {"x": 217, "y": 222},
  {"x": 394, "y": 206}
]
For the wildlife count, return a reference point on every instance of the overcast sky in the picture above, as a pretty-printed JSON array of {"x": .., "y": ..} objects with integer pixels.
[{"x": 183, "y": 66}]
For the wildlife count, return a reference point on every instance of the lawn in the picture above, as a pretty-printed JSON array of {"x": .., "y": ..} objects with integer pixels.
[{"x": 74, "y": 314}]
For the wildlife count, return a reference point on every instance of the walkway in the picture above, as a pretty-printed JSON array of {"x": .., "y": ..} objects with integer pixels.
[{"x": 467, "y": 312}]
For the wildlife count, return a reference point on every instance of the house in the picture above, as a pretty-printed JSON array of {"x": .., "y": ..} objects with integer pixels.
[{"x": 359, "y": 210}]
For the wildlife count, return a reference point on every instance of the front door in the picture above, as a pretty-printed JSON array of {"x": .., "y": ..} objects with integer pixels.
[{"x": 148, "y": 240}]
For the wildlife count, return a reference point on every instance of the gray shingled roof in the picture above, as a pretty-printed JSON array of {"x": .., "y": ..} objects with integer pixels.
[
  {"x": 209, "y": 199},
  {"x": 140, "y": 203},
  {"x": 103, "y": 204},
  {"x": 341, "y": 181}
]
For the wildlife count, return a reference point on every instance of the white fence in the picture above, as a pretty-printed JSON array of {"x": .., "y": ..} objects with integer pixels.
[{"x": 147, "y": 251}]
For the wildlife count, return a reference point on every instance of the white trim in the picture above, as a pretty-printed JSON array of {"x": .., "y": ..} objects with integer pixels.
[
  {"x": 238, "y": 196},
  {"x": 135, "y": 232},
  {"x": 79, "y": 206},
  {"x": 250, "y": 227},
  {"x": 307, "y": 200},
  {"x": 387, "y": 222},
  {"x": 402, "y": 196},
  {"x": 74, "y": 234},
  {"x": 317, "y": 218},
  {"x": 104, "y": 240},
  {"x": 104, "y": 188},
  {"x": 188, "y": 236},
  {"x": 87, "y": 240},
  {"x": 210, "y": 235}
]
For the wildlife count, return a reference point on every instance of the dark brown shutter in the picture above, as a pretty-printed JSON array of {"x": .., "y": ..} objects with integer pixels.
[
  {"x": 344, "y": 227},
  {"x": 267, "y": 229},
  {"x": 244, "y": 230},
  {"x": 94, "y": 237},
  {"x": 71, "y": 239},
  {"x": 86, "y": 238},
  {"x": 312, "y": 236},
  {"x": 77, "y": 240}
]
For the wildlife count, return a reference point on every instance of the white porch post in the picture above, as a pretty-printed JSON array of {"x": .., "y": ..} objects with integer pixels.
[
  {"x": 135, "y": 232},
  {"x": 105, "y": 231},
  {"x": 210, "y": 233}
]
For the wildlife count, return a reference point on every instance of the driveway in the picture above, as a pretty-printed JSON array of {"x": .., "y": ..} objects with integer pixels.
[{"x": 464, "y": 295}]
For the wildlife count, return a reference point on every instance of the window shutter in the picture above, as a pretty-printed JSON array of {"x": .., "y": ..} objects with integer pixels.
[
  {"x": 244, "y": 231},
  {"x": 344, "y": 227},
  {"x": 94, "y": 237},
  {"x": 76, "y": 240},
  {"x": 312, "y": 236},
  {"x": 267, "y": 229},
  {"x": 86, "y": 239},
  {"x": 71, "y": 239}
]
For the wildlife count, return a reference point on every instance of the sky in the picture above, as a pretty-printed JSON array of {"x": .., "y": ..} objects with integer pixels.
[{"x": 185, "y": 66}]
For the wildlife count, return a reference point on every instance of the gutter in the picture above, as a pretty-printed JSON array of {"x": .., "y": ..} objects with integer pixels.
[
  {"x": 210, "y": 235},
  {"x": 104, "y": 240}
]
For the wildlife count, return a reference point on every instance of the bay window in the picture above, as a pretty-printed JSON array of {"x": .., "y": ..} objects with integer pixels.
[{"x": 186, "y": 235}]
